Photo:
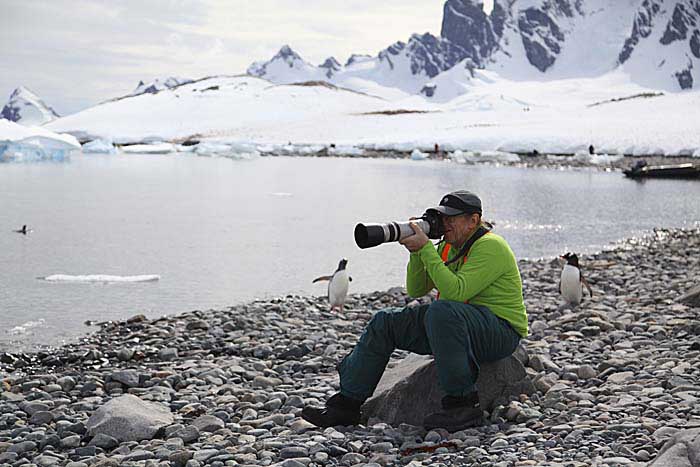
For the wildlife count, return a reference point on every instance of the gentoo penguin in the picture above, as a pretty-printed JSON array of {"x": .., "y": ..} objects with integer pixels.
[
  {"x": 571, "y": 282},
  {"x": 24, "y": 230},
  {"x": 338, "y": 285}
]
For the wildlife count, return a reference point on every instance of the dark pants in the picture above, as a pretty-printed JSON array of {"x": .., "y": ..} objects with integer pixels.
[{"x": 460, "y": 336}]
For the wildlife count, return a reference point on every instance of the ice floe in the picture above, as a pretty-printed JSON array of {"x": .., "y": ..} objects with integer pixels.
[
  {"x": 19, "y": 143},
  {"x": 100, "y": 278}
]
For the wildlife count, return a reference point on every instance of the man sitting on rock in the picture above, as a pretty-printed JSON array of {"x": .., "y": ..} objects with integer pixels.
[{"x": 479, "y": 316}]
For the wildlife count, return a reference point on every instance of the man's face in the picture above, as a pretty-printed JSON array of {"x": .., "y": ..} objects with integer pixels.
[{"x": 458, "y": 228}]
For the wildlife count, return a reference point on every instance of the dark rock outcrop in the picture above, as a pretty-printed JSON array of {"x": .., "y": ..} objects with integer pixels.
[
  {"x": 465, "y": 25},
  {"x": 685, "y": 77},
  {"x": 642, "y": 27},
  {"x": 541, "y": 37},
  {"x": 683, "y": 18},
  {"x": 408, "y": 392},
  {"x": 695, "y": 43}
]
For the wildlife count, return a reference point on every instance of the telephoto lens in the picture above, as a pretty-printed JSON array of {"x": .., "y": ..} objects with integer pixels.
[{"x": 369, "y": 235}]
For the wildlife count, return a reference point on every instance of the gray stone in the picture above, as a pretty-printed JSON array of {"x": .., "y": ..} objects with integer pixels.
[
  {"x": 208, "y": 423},
  {"x": 30, "y": 408},
  {"x": 168, "y": 353},
  {"x": 41, "y": 418},
  {"x": 46, "y": 460},
  {"x": 291, "y": 452},
  {"x": 104, "y": 441},
  {"x": 138, "y": 455},
  {"x": 22, "y": 447},
  {"x": 128, "y": 418},
  {"x": 682, "y": 450},
  {"x": 180, "y": 458},
  {"x": 204, "y": 454},
  {"x": 408, "y": 392},
  {"x": 66, "y": 382},
  {"x": 72, "y": 441},
  {"x": 187, "y": 434},
  {"x": 129, "y": 378}
]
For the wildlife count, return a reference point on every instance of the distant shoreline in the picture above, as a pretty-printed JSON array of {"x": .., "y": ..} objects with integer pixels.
[
  {"x": 546, "y": 160},
  {"x": 532, "y": 159}
]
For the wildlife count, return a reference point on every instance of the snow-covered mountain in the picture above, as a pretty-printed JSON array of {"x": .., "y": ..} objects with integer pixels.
[
  {"x": 158, "y": 85},
  {"x": 215, "y": 106},
  {"x": 490, "y": 113},
  {"x": 656, "y": 42},
  {"x": 27, "y": 108}
]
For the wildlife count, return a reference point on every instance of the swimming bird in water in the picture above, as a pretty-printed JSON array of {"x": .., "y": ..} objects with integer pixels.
[
  {"x": 571, "y": 282},
  {"x": 24, "y": 230},
  {"x": 338, "y": 285}
]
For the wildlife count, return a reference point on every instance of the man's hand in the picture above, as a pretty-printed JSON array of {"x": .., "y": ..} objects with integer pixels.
[{"x": 415, "y": 242}]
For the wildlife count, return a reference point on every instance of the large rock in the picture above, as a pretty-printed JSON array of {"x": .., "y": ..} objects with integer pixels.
[
  {"x": 692, "y": 297},
  {"x": 683, "y": 450},
  {"x": 128, "y": 418},
  {"x": 409, "y": 391}
]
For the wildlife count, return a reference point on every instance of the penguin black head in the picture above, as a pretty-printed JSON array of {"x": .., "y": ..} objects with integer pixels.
[
  {"x": 571, "y": 259},
  {"x": 342, "y": 264}
]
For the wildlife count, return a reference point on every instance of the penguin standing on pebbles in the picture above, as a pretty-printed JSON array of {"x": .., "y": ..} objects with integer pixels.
[
  {"x": 338, "y": 285},
  {"x": 571, "y": 281}
]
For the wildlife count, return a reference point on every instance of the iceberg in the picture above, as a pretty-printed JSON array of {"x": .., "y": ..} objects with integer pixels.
[
  {"x": 155, "y": 148},
  {"x": 418, "y": 155},
  {"x": 33, "y": 144},
  {"x": 99, "y": 146},
  {"x": 232, "y": 150}
]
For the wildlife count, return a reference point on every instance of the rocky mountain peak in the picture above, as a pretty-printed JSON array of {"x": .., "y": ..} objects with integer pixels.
[
  {"x": 25, "y": 107},
  {"x": 158, "y": 85},
  {"x": 357, "y": 58},
  {"x": 287, "y": 54},
  {"x": 518, "y": 37},
  {"x": 331, "y": 65}
]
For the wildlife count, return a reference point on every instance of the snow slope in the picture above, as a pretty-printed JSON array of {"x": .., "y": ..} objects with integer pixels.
[{"x": 231, "y": 106}]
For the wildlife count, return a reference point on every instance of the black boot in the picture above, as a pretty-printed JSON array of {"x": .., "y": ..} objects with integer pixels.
[
  {"x": 457, "y": 413},
  {"x": 339, "y": 410}
]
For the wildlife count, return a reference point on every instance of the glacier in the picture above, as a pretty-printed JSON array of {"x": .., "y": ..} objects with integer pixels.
[{"x": 33, "y": 144}]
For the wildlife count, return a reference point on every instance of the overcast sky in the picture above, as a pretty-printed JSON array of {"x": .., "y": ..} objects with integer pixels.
[{"x": 75, "y": 53}]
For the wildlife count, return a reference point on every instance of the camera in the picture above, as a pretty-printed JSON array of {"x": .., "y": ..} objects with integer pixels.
[{"x": 369, "y": 235}]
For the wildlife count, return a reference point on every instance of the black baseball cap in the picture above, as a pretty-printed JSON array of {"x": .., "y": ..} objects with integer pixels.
[{"x": 458, "y": 202}]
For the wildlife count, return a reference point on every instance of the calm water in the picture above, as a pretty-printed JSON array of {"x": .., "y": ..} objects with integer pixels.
[{"x": 221, "y": 232}]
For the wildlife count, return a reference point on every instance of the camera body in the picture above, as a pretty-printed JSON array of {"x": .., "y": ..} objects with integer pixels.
[{"x": 369, "y": 235}]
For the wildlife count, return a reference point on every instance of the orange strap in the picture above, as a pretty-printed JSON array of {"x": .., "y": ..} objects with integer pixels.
[{"x": 445, "y": 252}]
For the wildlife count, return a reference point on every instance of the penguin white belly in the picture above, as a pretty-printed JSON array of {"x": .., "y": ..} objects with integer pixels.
[
  {"x": 338, "y": 288},
  {"x": 571, "y": 288}
]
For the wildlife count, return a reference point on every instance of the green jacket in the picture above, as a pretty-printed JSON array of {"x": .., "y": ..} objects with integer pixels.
[{"x": 490, "y": 277}]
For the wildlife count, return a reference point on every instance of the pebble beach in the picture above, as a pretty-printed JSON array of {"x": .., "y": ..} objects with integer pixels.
[{"x": 615, "y": 378}]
